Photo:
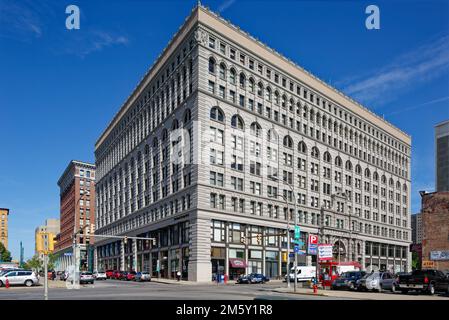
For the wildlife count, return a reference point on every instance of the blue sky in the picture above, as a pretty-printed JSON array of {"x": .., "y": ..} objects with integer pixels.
[{"x": 60, "y": 88}]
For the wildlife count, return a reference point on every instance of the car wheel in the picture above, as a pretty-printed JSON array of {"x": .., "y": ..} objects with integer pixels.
[
  {"x": 393, "y": 288},
  {"x": 431, "y": 290},
  {"x": 28, "y": 283},
  {"x": 1, "y": 284}
]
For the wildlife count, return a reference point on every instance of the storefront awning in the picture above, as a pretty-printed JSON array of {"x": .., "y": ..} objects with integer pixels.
[{"x": 237, "y": 263}]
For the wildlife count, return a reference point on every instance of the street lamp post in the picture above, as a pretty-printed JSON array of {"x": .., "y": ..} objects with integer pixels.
[{"x": 288, "y": 233}]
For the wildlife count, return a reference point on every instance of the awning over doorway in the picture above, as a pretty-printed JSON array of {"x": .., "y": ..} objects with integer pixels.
[{"x": 237, "y": 263}]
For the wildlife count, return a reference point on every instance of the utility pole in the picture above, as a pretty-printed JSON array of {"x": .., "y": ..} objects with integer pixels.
[{"x": 46, "y": 276}]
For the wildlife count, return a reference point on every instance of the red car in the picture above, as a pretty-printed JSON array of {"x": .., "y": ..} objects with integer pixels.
[
  {"x": 130, "y": 275},
  {"x": 109, "y": 274},
  {"x": 117, "y": 275}
]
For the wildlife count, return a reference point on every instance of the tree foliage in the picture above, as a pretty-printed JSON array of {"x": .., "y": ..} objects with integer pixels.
[{"x": 5, "y": 255}]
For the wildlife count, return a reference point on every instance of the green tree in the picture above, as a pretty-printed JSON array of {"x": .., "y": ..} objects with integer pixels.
[
  {"x": 34, "y": 263},
  {"x": 5, "y": 255},
  {"x": 416, "y": 262}
]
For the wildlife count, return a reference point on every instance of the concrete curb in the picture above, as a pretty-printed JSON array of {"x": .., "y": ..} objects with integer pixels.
[{"x": 301, "y": 293}]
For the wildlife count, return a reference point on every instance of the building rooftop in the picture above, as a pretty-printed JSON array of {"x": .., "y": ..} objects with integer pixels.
[{"x": 197, "y": 17}]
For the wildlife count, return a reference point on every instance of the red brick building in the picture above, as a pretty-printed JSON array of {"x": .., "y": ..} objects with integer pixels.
[
  {"x": 77, "y": 210},
  {"x": 435, "y": 219}
]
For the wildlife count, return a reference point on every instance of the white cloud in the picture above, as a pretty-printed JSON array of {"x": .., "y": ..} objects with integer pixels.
[
  {"x": 419, "y": 65},
  {"x": 225, "y": 5}
]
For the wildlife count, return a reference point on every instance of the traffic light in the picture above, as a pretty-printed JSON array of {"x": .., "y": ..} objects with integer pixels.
[
  {"x": 40, "y": 242},
  {"x": 259, "y": 239},
  {"x": 284, "y": 256},
  {"x": 51, "y": 242},
  {"x": 243, "y": 239}
]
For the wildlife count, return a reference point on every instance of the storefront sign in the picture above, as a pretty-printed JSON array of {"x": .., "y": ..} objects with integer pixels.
[
  {"x": 439, "y": 255},
  {"x": 237, "y": 263},
  {"x": 426, "y": 264},
  {"x": 325, "y": 252}
]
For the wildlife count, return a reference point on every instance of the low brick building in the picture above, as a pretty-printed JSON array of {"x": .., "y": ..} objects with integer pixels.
[{"x": 435, "y": 219}]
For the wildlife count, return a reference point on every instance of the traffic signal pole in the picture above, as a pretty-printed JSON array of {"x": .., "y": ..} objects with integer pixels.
[{"x": 46, "y": 277}]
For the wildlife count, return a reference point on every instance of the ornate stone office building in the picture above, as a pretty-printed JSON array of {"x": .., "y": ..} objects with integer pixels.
[{"x": 221, "y": 137}]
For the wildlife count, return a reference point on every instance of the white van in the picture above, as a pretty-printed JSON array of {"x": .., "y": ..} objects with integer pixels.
[{"x": 303, "y": 273}]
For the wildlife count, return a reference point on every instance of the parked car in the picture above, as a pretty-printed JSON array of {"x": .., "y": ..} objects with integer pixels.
[
  {"x": 19, "y": 277},
  {"x": 109, "y": 274},
  {"x": 130, "y": 275},
  {"x": 87, "y": 277},
  {"x": 303, "y": 273},
  {"x": 117, "y": 275},
  {"x": 252, "y": 278},
  {"x": 378, "y": 281},
  {"x": 100, "y": 275},
  {"x": 348, "y": 280},
  {"x": 142, "y": 276},
  {"x": 426, "y": 280}
]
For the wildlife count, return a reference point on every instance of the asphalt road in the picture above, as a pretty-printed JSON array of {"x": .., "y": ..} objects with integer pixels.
[{"x": 123, "y": 290}]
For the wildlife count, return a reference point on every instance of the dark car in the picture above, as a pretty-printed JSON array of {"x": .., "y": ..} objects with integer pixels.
[
  {"x": 426, "y": 280},
  {"x": 348, "y": 280},
  {"x": 252, "y": 278}
]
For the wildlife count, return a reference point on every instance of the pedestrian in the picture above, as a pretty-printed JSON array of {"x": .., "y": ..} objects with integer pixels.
[
  {"x": 53, "y": 275},
  {"x": 178, "y": 275}
]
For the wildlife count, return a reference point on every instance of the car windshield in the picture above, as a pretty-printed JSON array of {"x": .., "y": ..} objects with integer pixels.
[{"x": 86, "y": 273}]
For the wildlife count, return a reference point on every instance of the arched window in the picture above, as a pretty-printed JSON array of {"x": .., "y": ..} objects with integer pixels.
[
  {"x": 251, "y": 85},
  {"x": 404, "y": 187},
  {"x": 222, "y": 73},
  {"x": 367, "y": 173},
  {"x": 147, "y": 149},
  {"x": 268, "y": 94},
  {"x": 164, "y": 135},
  {"x": 232, "y": 76},
  {"x": 276, "y": 97},
  {"x": 302, "y": 147},
  {"x": 175, "y": 125},
  {"x": 315, "y": 152},
  {"x": 327, "y": 157},
  {"x": 348, "y": 165},
  {"x": 272, "y": 135},
  {"x": 237, "y": 122},
  {"x": 216, "y": 114},
  {"x": 288, "y": 141},
  {"x": 256, "y": 129},
  {"x": 242, "y": 80},
  {"x": 155, "y": 143},
  {"x": 338, "y": 161},
  {"x": 260, "y": 89},
  {"x": 375, "y": 176},
  {"x": 358, "y": 169},
  {"x": 398, "y": 185},
  {"x": 384, "y": 179},
  {"x": 391, "y": 182},
  {"x": 187, "y": 116},
  {"x": 211, "y": 65}
]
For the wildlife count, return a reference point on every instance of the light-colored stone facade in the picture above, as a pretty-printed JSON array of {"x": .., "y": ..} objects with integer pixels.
[{"x": 349, "y": 169}]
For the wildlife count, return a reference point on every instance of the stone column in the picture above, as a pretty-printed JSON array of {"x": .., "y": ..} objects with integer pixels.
[
  {"x": 246, "y": 249},
  {"x": 95, "y": 259},
  {"x": 134, "y": 265},
  {"x": 227, "y": 261},
  {"x": 122, "y": 255},
  {"x": 199, "y": 267}
]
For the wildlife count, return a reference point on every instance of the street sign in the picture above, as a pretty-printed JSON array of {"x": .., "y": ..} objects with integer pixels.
[
  {"x": 158, "y": 267},
  {"x": 297, "y": 232},
  {"x": 298, "y": 242},
  {"x": 291, "y": 255},
  {"x": 296, "y": 249},
  {"x": 325, "y": 252},
  {"x": 67, "y": 254},
  {"x": 312, "y": 247}
]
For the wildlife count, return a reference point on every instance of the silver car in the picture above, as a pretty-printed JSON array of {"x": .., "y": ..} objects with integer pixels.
[
  {"x": 100, "y": 275},
  {"x": 19, "y": 277},
  {"x": 378, "y": 281}
]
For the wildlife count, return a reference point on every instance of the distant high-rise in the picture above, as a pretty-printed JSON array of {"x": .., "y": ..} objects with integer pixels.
[
  {"x": 77, "y": 202},
  {"x": 417, "y": 232},
  {"x": 442, "y": 156},
  {"x": 51, "y": 226}
]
